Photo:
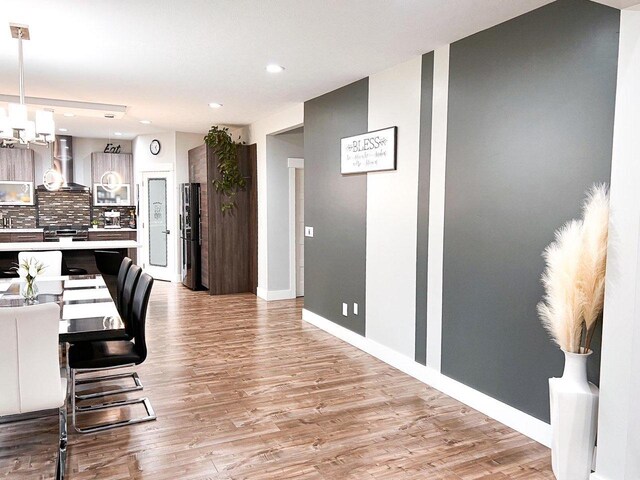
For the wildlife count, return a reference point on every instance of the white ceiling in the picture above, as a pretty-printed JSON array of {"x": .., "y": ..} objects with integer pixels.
[{"x": 166, "y": 60}]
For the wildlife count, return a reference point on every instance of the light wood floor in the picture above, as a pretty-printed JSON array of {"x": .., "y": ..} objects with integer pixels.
[{"x": 244, "y": 389}]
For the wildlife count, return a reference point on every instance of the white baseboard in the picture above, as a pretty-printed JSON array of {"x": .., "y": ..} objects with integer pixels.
[
  {"x": 270, "y": 295},
  {"x": 522, "y": 422}
]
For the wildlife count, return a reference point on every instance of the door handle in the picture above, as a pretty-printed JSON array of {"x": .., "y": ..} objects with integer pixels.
[{"x": 166, "y": 232}]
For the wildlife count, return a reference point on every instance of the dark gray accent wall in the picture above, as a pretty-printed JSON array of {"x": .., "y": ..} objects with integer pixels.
[
  {"x": 531, "y": 107},
  {"x": 335, "y": 206},
  {"x": 424, "y": 177}
]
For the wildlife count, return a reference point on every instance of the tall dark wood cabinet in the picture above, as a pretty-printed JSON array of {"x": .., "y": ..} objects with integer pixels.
[{"x": 229, "y": 247}]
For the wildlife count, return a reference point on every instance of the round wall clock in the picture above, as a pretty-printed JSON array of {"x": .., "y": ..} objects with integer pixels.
[{"x": 155, "y": 147}]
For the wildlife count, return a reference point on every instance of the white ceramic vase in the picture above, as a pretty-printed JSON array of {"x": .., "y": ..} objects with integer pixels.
[{"x": 574, "y": 416}]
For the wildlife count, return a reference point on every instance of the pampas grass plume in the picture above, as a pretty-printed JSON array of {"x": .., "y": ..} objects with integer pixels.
[
  {"x": 561, "y": 308},
  {"x": 574, "y": 277},
  {"x": 593, "y": 260}
]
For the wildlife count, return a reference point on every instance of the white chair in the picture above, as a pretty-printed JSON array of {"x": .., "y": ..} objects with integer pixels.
[
  {"x": 51, "y": 260},
  {"x": 30, "y": 373}
]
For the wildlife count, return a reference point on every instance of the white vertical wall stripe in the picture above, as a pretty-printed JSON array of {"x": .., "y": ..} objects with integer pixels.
[
  {"x": 619, "y": 418},
  {"x": 392, "y": 209},
  {"x": 436, "y": 206}
]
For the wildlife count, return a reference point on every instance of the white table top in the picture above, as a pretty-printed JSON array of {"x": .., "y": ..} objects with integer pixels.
[{"x": 91, "y": 245}]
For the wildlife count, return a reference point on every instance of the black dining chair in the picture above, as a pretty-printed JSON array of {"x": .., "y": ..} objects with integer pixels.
[
  {"x": 92, "y": 356},
  {"x": 124, "y": 305},
  {"x": 108, "y": 263},
  {"x": 122, "y": 276}
]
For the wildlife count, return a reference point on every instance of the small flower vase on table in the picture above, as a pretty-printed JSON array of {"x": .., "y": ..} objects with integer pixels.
[{"x": 29, "y": 269}]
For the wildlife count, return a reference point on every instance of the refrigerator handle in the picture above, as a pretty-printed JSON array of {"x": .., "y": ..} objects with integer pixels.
[{"x": 181, "y": 229}]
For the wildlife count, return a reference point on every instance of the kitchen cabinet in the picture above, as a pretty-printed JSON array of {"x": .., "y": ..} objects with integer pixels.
[
  {"x": 17, "y": 165},
  {"x": 102, "y": 235},
  {"x": 5, "y": 237},
  {"x": 229, "y": 243},
  {"x": 122, "y": 163},
  {"x": 27, "y": 237}
]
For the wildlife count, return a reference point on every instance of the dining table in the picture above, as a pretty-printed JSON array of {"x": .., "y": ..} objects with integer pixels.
[{"x": 87, "y": 310}]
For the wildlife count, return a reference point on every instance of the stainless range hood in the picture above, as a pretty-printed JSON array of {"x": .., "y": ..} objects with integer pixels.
[{"x": 63, "y": 163}]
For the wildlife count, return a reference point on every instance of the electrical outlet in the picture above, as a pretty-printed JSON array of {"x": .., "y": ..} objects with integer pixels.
[
  {"x": 308, "y": 231},
  {"x": 345, "y": 310},
  {"x": 355, "y": 308}
]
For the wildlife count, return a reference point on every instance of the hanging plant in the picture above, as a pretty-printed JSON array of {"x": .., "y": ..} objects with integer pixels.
[{"x": 231, "y": 179}]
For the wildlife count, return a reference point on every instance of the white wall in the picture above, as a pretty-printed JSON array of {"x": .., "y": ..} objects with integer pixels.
[
  {"x": 435, "y": 252},
  {"x": 257, "y": 133},
  {"x": 392, "y": 210},
  {"x": 184, "y": 143},
  {"x": 280, "y": 147},
  {"x": 619, "y": 418},
  {"x": 166, "y": 160},
  {"x": 82, "y": 150}
]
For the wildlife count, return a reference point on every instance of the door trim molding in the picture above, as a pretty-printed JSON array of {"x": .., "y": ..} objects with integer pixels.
[
  {"x": 293, "y": 163},
  {"x": 163, "y": 170}
]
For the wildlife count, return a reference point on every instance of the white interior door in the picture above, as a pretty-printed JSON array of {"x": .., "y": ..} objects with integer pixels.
[
  {"x": 299, "y": 232},
  {"x": 157, "y": 220}
]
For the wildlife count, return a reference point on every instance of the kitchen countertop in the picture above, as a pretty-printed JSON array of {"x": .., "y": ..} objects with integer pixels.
[
  {"x": 39, "y": 230},
  {"x": 102, "y": 229},
  {"x": 91, "y": 245}
]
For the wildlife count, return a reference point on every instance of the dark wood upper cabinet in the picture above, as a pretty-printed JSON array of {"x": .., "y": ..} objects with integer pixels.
[{"x": 17, "y": 165}]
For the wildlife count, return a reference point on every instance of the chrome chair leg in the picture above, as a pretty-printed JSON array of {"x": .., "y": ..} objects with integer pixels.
[
  {"x": 86, "y": 381},
  {"x": 62, "y": 453},
  {"x": 75, "y": 409}
]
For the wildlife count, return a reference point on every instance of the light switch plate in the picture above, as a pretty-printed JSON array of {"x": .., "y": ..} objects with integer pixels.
[
  {"x": 308, "y": 231},
  {"x": 345, "y": 309},
  {"x": 355, "y": 308}
]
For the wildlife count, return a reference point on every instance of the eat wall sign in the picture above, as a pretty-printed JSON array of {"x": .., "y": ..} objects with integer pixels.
[
  {"x": 111, "y": 148},
  {"x": 369, "y": 152}
]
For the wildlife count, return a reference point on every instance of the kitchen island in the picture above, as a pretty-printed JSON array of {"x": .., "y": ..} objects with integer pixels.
[
  {"x": 88, "y": 245},
  {"x": 76, "y": 254}
]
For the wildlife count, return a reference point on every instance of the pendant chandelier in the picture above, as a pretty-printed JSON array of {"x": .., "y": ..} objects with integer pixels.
[{"x": 15, "y": 126}]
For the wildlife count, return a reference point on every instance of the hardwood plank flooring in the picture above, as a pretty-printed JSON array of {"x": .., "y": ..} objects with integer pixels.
[{"x": 244, "y": 389}]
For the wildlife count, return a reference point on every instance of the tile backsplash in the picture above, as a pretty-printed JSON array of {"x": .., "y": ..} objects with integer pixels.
[
  {"x": 63, "y": 209},
  {"x": 126, "y": 216},
  {"x": 22, "y": 216}
]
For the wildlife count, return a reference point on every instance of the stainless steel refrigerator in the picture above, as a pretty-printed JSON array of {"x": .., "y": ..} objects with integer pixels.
[{"x": 190, "y": 235}]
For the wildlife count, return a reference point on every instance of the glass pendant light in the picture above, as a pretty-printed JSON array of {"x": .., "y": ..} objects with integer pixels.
[
  {"x": 110, "y": 180},
  {"x": 52, "y": 178}
]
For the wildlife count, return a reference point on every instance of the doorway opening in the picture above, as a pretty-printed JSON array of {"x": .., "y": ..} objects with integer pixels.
[{"x": 296, "y": 226}]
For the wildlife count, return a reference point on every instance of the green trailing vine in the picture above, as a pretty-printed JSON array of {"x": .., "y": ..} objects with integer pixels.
[{"x": 231, "y": 179}]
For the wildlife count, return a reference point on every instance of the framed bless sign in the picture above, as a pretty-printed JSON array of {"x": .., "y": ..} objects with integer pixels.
[{"x": 369, "y": 152}]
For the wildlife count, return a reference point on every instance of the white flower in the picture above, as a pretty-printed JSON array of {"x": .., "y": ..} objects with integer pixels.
[
  {"x": 22, "y": 272},
  {"x": 33, "y": 270}
]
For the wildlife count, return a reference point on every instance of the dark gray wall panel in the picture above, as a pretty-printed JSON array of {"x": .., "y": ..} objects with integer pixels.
[
  {"x": 335, "y": 206},
  {"x": 424, "y": 176},
  {"x": 531, "y": 106}
]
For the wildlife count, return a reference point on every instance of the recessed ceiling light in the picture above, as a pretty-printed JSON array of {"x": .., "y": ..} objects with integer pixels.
[
  {"x": 146, "y": 122},
  {"x": 69, "y": 114},
  {"x": 63, "y": 130},
  {"x": 215, "y": 105},
  {"x": 118, "y": 134},
  {"x": 274, "y": 68}
]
